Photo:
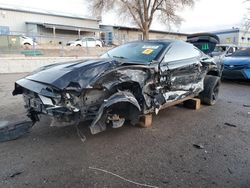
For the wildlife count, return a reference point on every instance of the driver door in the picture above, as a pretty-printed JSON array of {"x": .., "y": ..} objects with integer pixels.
[
  {"x": 91, "y": 42},
  {"x": 180, "y": 71}
]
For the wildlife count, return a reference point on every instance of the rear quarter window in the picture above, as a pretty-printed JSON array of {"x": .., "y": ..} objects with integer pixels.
[{"x": 181, "y": 51}]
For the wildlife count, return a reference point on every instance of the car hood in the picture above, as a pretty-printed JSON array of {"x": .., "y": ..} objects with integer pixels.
[
  {"x": 237, "y": 60},
  {"x": 77, "y": 74}
]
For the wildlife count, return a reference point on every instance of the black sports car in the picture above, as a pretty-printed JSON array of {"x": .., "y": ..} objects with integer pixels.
[{"x": 127, "y": 82}]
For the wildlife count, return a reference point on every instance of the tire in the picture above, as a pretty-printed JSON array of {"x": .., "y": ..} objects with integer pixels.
[
  {"x": 98, "y": 45},
  {"x": 210, "y": 93},
  {"x": 79, "y": 45}
]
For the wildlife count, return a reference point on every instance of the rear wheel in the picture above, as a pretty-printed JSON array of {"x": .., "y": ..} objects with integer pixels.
[
  {"x": 79, "y": 45},
  {"x": 210, "y": 93}
]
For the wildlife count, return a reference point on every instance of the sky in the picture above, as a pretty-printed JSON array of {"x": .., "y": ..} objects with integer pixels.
[{"x": 205, "y": 15}]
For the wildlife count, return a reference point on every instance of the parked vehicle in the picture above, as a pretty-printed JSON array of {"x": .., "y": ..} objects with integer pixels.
[
  {"x": 224, "y": 50},
  {"x": 206, "y": 42},
  {"x": 126, "y": 83},
  {"x": 86, "y": 42},
  {"x": 27, "y": 41},
  {"x": 237, "y": 66}
]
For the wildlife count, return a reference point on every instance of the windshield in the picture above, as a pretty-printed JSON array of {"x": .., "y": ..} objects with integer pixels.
[
  {"x": 220, "y": 49},
  {"x": 244, "y": 52},
  {"x": 141, "y": 51}
]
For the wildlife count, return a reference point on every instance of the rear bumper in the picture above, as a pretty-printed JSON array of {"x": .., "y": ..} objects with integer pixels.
[{"x": 236, "y": 74}]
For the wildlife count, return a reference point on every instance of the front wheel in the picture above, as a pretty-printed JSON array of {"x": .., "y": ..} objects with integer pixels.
[{"x": 210, "y": 93}]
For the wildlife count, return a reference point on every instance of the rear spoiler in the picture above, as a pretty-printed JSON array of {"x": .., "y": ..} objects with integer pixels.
[{"x": 206, "y": 42}]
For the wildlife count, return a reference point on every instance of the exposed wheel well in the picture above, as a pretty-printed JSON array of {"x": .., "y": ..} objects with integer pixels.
[
  {"x": 213, "y": 73},
  {"x": 134, "y": 88}
]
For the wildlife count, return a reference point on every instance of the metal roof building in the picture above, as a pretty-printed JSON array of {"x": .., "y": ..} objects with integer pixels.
[
  {"x": 117, "y": 34},
  {"x": 53, "y": 27},
  {"x": 40, "y": 23}
]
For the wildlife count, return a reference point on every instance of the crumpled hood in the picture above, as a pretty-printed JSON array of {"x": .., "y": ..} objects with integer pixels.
[
  {"x": 77, "y": 73},
  {"x": 237, "y": 61}
]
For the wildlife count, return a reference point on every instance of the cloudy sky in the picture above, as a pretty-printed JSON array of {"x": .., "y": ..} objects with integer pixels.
[{"x": 206, "y": 15}]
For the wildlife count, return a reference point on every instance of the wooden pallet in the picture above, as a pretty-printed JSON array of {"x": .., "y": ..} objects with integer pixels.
[{"x": 191, "y": 103}]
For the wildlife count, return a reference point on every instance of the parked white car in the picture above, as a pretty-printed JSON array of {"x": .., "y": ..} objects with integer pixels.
[
  {"x": 224, "y": 49},
  {"x": 27, "y": 41},
  {"x": 86, "y": 42}
]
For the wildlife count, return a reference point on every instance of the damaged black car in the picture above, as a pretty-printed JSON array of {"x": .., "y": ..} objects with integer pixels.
[{"x": 124, "y": 84}]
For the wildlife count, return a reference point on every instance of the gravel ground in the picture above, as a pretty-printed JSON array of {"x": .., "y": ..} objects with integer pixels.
[{"x": 161, "y": 156}]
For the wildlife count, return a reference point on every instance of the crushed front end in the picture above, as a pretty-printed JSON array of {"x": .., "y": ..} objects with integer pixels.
[{"x": 40, "y": 99}]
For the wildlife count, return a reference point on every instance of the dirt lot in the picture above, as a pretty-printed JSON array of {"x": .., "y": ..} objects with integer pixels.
[{"x": 161, "y": 156}]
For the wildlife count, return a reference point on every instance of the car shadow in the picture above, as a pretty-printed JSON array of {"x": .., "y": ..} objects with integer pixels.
[{"x": 43, "y": 130}]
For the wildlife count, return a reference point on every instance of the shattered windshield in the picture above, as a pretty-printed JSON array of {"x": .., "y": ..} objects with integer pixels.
[{"x": 141, "y": 51}]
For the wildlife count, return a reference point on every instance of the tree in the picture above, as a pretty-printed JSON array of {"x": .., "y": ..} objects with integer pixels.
[
  {"x": 143, "y": 12},
  {"x": 246, "y": 19}
]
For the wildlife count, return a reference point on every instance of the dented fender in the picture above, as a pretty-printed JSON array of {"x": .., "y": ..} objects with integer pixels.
[{"x": 97, "y": 124}]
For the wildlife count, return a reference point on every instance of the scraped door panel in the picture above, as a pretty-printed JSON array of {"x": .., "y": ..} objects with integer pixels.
[{"x": 181, "y": 74}]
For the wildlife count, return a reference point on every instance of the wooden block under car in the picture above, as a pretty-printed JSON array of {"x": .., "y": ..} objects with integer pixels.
[
  {"x": 146, "y": 121},
  {"x": 192, "y": 103}
]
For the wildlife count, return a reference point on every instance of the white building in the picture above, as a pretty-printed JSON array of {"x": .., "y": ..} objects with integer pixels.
[
  {"x": 45, "y": 25},
  {"x": 120, "y": 34},
  {"x": 234, "y": 36},
  {"x": 55, "y": 27}
]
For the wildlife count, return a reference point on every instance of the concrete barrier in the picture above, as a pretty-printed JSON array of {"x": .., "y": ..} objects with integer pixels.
[{"x": 29, "y": 64}]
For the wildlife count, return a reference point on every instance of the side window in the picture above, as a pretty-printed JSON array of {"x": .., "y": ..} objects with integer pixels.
[
  {"x": 180, "y": 51},
  {"x": 230, "y": 50},
  {"x": 90, "y": 39}
]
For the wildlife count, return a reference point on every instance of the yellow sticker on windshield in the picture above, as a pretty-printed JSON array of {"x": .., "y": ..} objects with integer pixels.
[{"x": 147, "y": 51}]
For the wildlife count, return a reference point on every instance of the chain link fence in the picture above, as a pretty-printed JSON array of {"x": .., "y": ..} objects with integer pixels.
[{"x": 50, "y": 46}]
